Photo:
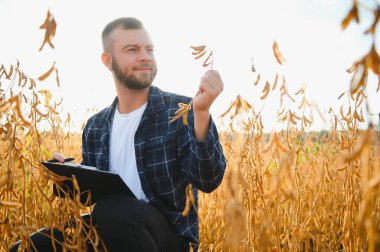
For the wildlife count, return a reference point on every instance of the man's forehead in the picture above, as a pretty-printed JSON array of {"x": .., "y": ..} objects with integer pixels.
[{"x": 133, "y": 37}]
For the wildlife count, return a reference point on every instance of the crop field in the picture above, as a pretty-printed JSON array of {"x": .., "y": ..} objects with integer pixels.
[{"x": 292, "y": 189}]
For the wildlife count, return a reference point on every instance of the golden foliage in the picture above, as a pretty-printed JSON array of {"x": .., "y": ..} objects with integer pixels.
[
  {"x": 50, "y": 27},
  {"x": 290, "y": 191},
  {"x": 277, "y": 54},
  {"x": 237, "y": 107},
  {"x": 352, "y": 14},
  {"x": 184, "y": 109}
]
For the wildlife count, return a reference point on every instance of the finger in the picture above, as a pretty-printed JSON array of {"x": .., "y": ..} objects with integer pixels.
[
  {"x": 214, "y": 80},
  {"x": 60, "y": 158},
  {"x": 214, "y": 75},
  {"x": 213, "y": 72},
  {"x": 210, "y": 87},
  {"x": 209, "y": 91}
]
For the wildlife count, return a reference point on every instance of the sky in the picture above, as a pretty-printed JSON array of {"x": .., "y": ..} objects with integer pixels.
[{"x": 308, "y": 33}]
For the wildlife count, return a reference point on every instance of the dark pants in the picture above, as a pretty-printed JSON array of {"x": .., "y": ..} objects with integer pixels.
[{"x": 125, "y": 224}]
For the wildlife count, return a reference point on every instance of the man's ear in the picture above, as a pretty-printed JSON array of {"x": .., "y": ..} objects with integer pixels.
[{"x": 107, "y": 60}]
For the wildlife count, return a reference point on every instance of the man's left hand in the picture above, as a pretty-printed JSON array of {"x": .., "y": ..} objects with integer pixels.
[{"x": 211, "y": 86}]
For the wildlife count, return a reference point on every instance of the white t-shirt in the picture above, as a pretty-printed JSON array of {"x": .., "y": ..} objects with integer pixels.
[{"x": 122, "y": 149}]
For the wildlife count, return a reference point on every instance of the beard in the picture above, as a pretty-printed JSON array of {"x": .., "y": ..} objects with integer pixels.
[{"x": 129, "y": 80}]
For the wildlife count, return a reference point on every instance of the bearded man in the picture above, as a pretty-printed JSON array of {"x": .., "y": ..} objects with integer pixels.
[{"x": 156, "y": 158}]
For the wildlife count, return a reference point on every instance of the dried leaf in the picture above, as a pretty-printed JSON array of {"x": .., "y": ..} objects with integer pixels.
[
  {"x": 10, "y": 204},
  {"x": 364, "y": 144},
  {"x": 345, "y": 118},
  {"x": 47, "y": 74},
  {"x": 306, "y": 121},
  {"x": 56, "y": 76},
  {"x": 277, "y": 54},
  {"x": 238, "y": 106},
  {"x": 182, "y": 112},
  {"x": 265, "y": 91},
  {"x": 372, "y": 28},
  {"x": 275, "y": 82},
  {"x": 205, "y": 63},
  {"x": 50, "y": 27},
  {"x": 280, "y": 113},
  {"x": 352, "y": 68},
  {"x": 284, "y": 91},
  {"x": 293, "y": 117},
  {"x": 301, "y": 90},
  {"x": 9, "y": 75},
  {"x": 252, "y": 66},
  {"x": 257, "y": 80},
  {"x": 198, "y": 48},
  {"x": 352, "y": 14},
  {"x": 200, "y": 55},
  {"x": 340, "y": 96},
  {"x": 47, "y": 96},
  {"x": 359, "y": 79},
  {"x": 32, "y": 83},
  {"x": 44, "y": 25},
  {"x": 372, "y": 61}
]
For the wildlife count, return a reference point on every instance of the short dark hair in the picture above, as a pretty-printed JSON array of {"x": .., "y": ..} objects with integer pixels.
[{"x": 126, "y": 23}]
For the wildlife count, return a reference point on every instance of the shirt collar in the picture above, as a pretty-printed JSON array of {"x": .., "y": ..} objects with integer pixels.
[{"x": 155, "y": 102}]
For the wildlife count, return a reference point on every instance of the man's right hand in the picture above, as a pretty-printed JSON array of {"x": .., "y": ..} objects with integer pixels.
[{"x": 60, "y": 158}]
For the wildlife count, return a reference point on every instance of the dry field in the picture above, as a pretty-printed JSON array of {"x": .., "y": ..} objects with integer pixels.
[{"x": 290, "y": 190}]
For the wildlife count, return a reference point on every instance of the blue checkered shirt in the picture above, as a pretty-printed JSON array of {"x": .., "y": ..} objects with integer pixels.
[{"x": 168, "y": 157}]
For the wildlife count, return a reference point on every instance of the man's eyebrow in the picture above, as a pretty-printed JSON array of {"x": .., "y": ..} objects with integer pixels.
[{"x": 135, "y": 45}]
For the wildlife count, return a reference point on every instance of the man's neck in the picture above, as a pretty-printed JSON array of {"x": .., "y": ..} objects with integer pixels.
[{"x": 131, "y": 99}]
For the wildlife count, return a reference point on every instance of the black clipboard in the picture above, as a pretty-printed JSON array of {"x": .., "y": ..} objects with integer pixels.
[{"x": 99, "y": 183}]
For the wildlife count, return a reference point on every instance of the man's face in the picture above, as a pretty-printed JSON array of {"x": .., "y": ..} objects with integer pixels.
[{"x": 133, "y": 62}]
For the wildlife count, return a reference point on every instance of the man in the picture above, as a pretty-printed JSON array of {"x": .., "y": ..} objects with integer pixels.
[{"x": 157, "y": 159}]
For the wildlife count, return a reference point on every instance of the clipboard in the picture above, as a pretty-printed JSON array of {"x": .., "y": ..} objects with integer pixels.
[{"x": 90, "y": 179}]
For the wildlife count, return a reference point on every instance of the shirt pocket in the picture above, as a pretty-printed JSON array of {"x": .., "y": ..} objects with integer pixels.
[{"x": 161, "y": 158}]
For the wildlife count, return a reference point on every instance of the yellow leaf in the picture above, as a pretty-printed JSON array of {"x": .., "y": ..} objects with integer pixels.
[
  {"x": 352, "y": 68},
  {"x": 184, "y": 119},
  {"x": 359, "y": 79},
  {"x": 340, "y": 96},
  {"x": 10, "y": 204},
  {"x": 50, "y": 27},
  {"x": 47, "y": 95},
  {"x": 277, "y": 54},
  {"x": 47, "y": 74},
  {"x": 275, "y": 82},
  {"x": 200, "y": 55},
  {"x": 205, "y": 63},
  {"x": 301, "y": 90},
  {"x": 375, "y": 22},
  {"x": 366, "y": 142},
  {"x": 257, "y": 80},
  {"x": 56, "y": 76},
  {"x": 265, "y": 91},
  {"x": 44, "y": 25},
  {"x": 372, "y": 61},
  {"x": 9, "y": 75},
  {"x": 252, "y": 66},
  {"x": 353, "y": 14},
  {"x": 198, "y": 48}
]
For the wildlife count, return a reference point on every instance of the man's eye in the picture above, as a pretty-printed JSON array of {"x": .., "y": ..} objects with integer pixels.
[{"x": 132, "y": 50}]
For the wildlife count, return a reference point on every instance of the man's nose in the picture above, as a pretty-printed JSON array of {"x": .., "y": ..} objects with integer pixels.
[{"x": 145, "y": 55}]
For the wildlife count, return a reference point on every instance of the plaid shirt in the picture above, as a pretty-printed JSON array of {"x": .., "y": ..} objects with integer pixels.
[{"x": 168, "y": 157}]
